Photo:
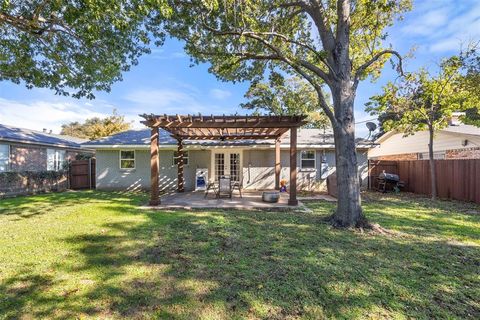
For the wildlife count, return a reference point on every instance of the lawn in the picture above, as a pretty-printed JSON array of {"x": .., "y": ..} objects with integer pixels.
[{"x": 97, "y": 255}]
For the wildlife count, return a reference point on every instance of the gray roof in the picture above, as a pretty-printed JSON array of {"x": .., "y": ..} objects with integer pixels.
[
  {"x": 463, "y": 129},
  {"x": 142, "y": 137},
  {"x": 20, "y": 135}
]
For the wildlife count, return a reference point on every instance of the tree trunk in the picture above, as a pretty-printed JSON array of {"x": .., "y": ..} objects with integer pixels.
[
  {"x": 349, "y": 211},
  {"x": 433, "y": 177}
]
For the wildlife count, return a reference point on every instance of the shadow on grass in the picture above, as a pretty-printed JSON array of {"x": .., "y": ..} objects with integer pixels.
[
  {"x": 253, "y": 265},
  {"x": 25, "y": 207}
]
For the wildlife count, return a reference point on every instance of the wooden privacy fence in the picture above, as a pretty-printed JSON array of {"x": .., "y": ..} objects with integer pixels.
[
  {"x": 82, "y": 174},
  {"x": 457, "y": 179}
]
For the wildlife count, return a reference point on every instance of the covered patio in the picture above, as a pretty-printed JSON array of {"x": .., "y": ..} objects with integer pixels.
[{"x": 222, "y": 128}]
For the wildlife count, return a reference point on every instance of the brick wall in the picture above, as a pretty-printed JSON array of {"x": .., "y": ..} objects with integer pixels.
[
  {"x": 31, "y": 182},
  {"x": 399, "y": 157},
  {"x": 469, "y": 153},
  {"x": 28, "y": 158}
]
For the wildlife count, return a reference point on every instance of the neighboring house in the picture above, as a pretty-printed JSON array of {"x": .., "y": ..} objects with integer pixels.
[
  {"x": 28, "y": 150},
  {"x": 457, "y": 141},
  {"x": 123, "y": 160}
]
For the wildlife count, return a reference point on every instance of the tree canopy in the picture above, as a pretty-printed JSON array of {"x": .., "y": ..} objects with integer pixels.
[
  {"x": 74, "y": 47},
  {"x": 330, "y": 44},
  {"x": 290, "y": 96},
  {"x": 424, "y": 101},
  {"x": 95, "y": 128}
]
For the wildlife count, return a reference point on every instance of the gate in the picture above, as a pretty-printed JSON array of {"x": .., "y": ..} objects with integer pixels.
[{"x": 82, "y": 174}]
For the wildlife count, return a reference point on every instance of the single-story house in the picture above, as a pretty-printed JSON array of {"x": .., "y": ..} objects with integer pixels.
[
  {"x": 457, "y": 141},
  {"x": 34, "y": 161},
  {"x": 123, "y": 160},
  {"x": 30, "y": 150}
]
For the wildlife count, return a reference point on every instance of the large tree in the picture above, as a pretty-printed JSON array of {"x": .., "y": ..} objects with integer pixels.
[
  {"x": 74, "y": 47},
  {"x": 286, "y": 96},
  {"x": 95, "y": 128},
  {"x": 423, "y": 101},
  {"x": 331, "y": 43}
]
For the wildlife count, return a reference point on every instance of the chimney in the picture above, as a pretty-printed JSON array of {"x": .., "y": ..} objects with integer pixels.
[
  {"x": 50, "y": 132},
  {"x": 455, "y": 119},
  {"x": 44, "y": 130}
]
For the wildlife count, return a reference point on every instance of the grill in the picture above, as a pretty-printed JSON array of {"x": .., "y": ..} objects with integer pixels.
[{"x": 389, "y": 181}]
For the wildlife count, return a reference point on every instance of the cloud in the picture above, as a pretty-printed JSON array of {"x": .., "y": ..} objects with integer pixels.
[
  {"x": 220, "y": 94},
  {"x": 443, "y": 26},
  {"x": 41, "y": 114},
  {"x": 169, "y": 101}
]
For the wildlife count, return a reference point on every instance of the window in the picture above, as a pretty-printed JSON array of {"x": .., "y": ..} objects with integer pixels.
[
  {"x": 127, "y": 159},
  {"x": 307, "y": 159},
  {"x": 4, "y": 157},
  {"x": 55, "y": 159},
  {"x": 176, "y": 157}
]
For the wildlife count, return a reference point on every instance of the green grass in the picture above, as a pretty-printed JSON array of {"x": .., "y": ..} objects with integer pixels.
[{"x": 97, "y": 255}]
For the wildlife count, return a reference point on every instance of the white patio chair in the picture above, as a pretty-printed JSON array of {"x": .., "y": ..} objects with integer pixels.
[{"x": 224, "y": 187}]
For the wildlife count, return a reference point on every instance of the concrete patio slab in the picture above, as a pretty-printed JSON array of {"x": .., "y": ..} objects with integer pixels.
[{"x": 251, "y": 200}]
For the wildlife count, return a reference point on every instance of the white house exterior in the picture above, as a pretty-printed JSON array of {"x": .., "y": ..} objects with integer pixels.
[
  {"x": 123, "y": 160},
  {"x": 454, "y": 142}
]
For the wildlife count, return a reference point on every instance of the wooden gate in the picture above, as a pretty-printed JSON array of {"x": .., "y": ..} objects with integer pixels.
[{"x": 82, "y": 174}]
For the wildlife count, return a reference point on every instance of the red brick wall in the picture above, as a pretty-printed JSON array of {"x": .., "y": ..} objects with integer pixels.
[
  {"x": 28, "y": 158},
  {"x": 470, "y": 153},
  {"x": 393, "y": 157}
]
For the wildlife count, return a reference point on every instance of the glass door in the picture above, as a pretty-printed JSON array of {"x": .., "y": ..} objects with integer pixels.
[
  {"x": 234, "y": 167},
  {"x": 227, "y": 163}
]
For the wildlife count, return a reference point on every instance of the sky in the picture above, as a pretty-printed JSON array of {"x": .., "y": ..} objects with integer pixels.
[{"x": 166, "y": 82}]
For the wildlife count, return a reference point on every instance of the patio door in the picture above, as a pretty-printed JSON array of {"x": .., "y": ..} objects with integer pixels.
[{"x": 227, "y": 163}]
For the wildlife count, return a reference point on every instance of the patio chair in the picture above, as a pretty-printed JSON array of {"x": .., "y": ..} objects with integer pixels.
[
  {"x": 238, "y": 185},
  {"x": 225, "y": 187},
  {"x": 211, "y": 186}
]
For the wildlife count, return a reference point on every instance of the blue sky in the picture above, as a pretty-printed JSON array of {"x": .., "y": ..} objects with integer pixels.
[{"x": 164, "y": 82}]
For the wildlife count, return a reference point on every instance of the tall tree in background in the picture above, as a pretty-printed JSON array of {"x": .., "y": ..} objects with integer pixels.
[
  {"x": 329, "y": 43},
  {"x": 422, "y": 101},
  {"x": 95, "y": 128},
  {"x": 74, "y": 47},
  {"x": 280, "y": 96}
]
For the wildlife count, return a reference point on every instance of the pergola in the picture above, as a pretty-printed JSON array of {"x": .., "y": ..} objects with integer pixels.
[{"x": 222, "y": 128}]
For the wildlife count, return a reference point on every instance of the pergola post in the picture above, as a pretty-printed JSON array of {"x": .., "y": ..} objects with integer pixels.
[
  {"x": 278, "y": 167},
  {"x": 293, "y": 167},
  {"x": 180, "y": 162},
  {"x": 154, "y": 167}
]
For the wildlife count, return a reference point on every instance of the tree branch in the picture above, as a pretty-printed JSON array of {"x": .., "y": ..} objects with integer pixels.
[{"x": 374, "y": 59}]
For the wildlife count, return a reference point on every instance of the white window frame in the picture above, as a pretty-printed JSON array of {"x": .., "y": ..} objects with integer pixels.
[
  {"x": 120, "y": 159},
  {"x": 186, "y": 158},
  {"x": 314, "y": 160},
  {"x": 57, "y": 164},
  {"x": 7, "y": 165}
]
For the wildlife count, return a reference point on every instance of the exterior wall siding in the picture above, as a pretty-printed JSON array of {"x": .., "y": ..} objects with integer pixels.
[
  {"x": 110, "y": 176},
  {"x": 418, "y": 143},
  {"x": 258, "y": 169}
]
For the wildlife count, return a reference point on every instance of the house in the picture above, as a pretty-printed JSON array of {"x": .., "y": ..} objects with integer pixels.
[
  {"x": 30, "y": 150},
  {"x": 457, "y": 141},
  {"x": 34, "y": 161},
  {"x": 123, "y": 160}
]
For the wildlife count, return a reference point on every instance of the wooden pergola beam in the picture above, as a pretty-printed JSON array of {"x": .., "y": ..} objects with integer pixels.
[
  {"x": 154, "y": 170},
  {"x": 292, "y": 200}
]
